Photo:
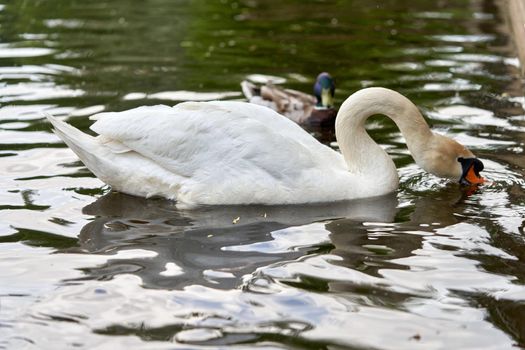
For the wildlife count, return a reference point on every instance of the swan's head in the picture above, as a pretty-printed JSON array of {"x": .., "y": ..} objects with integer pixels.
[
  {"x": 324, "y": 89},
  {"x": 447, "y": 158}
]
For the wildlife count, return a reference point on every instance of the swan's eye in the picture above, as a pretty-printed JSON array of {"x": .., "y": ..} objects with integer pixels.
[{"x": 460, "y": 159}]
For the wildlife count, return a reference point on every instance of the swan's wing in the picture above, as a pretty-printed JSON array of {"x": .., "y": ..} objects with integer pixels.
[
  {"x": 114, "y": 146},
  {"x": 212, "y": 142}
]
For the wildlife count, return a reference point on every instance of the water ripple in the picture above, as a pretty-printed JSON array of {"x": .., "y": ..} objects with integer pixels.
[{"x": 433, "y": 266}]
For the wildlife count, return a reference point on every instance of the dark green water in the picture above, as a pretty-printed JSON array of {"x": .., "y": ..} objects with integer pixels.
[{"x": 429, "y": 267}]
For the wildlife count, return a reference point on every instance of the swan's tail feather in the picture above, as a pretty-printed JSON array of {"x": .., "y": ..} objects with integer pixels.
[
  {"x": 116, "y": 165},
  {"x": 85, "y": 146},
  {"x": 78, "y": 141}
]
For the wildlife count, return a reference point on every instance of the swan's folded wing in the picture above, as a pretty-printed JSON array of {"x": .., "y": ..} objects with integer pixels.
[
  {"x": 113, "y": 145},
  {"x": 215, "y": 139}
]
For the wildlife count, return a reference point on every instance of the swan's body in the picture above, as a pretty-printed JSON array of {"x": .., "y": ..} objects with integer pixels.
[{"x": 240, "y": 153}]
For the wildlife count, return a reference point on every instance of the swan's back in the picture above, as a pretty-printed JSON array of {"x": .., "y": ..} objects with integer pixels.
[{"x": 223, "y": 152}]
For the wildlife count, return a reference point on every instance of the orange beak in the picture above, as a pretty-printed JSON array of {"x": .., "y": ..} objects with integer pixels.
[
  {"x": 473, "y": 178},
  {"x": 471, "y": 169}
]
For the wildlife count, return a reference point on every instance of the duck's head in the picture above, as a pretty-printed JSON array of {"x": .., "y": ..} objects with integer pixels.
[{"x": 324, "y": 89}]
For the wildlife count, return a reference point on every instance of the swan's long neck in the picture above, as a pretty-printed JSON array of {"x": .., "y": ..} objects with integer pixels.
[{"x": 363, "y": 155}]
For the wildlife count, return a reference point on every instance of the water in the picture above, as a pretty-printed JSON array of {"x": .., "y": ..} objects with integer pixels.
[{"x": 433, "y": 266}]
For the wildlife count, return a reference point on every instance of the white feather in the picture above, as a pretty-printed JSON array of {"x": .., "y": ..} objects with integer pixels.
[{"x": 225, "y": 152}]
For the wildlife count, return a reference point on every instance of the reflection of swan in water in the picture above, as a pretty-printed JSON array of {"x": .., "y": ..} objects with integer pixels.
[
  {"x": 193, "y": 243},
  {"x": 198, "y": 242}
]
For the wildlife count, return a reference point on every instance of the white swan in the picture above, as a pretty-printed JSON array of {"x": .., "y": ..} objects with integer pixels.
[{"x": 226, "y": 152}]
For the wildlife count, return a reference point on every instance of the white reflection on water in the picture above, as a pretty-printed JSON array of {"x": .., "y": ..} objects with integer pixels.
[
  {"x": 28, "y": 71},
  {"x": 25, "y": 112},
  {"x": 192, "y": 95},
  {"x": 21, "y": 137},
  {"x": 8, "y": 52},
  {"x": 36, "y": 91},
  {"x": 182, "y": 96},
  {"x": 70, "y": 24},
  {"x": 474, "y": 38},
  {"x": 470, "y": 115},
  {"x": 286, "y": 239},
  {"x": 458, "y": 85}
]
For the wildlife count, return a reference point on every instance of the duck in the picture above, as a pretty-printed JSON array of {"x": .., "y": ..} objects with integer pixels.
[
  {"x": 239, "y": 153},
  {"x": 304, "y": 109}
]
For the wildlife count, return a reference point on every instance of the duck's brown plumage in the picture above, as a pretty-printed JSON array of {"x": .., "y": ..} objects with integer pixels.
[{"x": 295, "y": 105}]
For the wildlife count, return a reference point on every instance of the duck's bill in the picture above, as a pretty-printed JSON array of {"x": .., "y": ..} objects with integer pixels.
[
  {"x": 327, "y": 100},
  {"x": 471, "y": 169}
]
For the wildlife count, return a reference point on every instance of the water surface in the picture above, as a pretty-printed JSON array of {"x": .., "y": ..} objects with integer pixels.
[{"x": 432, "y": 266}]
